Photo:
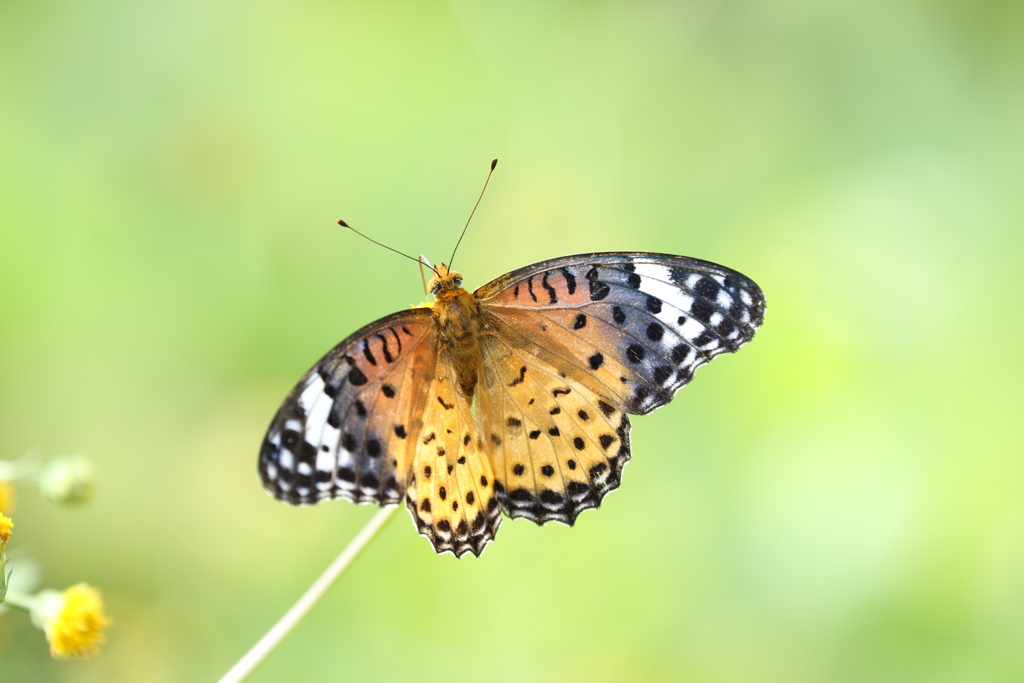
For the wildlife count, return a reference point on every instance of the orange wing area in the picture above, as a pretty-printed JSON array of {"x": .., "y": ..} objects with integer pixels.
[
  {"x": 559, "y": 447},
  {"x": 631, "y": 326},
  {"x": 345, "y": 430},
  {"x": 451, "y": 493}
]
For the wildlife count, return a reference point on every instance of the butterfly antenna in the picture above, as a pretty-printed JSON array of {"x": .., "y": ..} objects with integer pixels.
[
  {"x": 411, "y": 258},
  {"x": 494, "y": 162}
]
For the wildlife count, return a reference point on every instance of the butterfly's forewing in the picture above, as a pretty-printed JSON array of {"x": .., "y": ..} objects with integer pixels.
[
  {"x": 558, "y": 446},
  {"x": 451, "y": 493},
  {"x": 344, "y": 431},
  {"x": 631, "y": 326}
]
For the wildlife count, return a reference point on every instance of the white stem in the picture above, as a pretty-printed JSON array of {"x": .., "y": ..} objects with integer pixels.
[
  {"x": 283, "y": 627},
  {"x": 22, "y": 468}
]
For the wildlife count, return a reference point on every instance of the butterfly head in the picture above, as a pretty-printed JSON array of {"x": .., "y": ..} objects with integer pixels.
[{"x": 445, "y": 282}]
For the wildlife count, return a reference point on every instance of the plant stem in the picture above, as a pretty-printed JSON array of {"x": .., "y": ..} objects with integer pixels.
[{"x": 284, "y": 626}]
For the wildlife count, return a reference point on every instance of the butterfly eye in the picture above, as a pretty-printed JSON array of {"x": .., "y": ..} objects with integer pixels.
[{"x": 457, "y": 282}]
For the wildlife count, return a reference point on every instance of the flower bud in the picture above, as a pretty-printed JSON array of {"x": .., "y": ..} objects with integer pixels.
[{"x": 68, "y": 480}]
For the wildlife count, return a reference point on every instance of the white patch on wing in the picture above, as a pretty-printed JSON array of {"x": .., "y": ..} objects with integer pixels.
[
  {"x": 311, "y": 393},
  {"x": 286, "y": 459},
  {"x": 317, "y": 417},
  {"x": 330, "y": 438},
  {"x": 304, "y": 468},
  {"x": 653, "y": 271},
  {"x": 691, "y": 329},
  {"x": 325, "y": 461},
  {"x": 669, "y": 294},
  {"x": 345, "y": 459},
  {"x": 712, "y": 345}
]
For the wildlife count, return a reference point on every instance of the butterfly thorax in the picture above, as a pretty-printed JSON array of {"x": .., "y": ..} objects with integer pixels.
[{"x": 456, "y": 314}]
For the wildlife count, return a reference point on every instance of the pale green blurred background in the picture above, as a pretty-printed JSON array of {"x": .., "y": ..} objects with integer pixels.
[{"x": 841, "y": 501}]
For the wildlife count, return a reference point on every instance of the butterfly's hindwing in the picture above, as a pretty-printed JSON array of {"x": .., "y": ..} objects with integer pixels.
[
  {"x": 343, "y": 430},
  {"x": 635, "y": 326},
  {"x": 559, "y": 447},
  {"x": 451, "y": 493}
]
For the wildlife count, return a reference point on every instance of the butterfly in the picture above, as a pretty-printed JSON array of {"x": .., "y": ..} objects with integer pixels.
[{"x": 513, "y": 399}]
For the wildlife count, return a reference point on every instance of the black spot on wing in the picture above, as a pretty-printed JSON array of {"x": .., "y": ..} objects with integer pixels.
[
  {"x": 384, "y": 348},
  {"x": 549, "y": 289},
  {"x": 706, "y": 288},
  {"x": 598, "y": 289},
  {"x": 519, "y": 380},
  {"x": 355, "y": 375},
  {"x": 701, "y": 311},
  {"x": 570, "y": 281},
  {"x": 635, "y": 353}
]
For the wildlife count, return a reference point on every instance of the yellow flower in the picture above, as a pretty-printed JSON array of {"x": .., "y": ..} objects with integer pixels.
[
  {"x": 5, "y": 529},
  {"x": 73, "y": 620},
  {"x": 6, "y": 498}
]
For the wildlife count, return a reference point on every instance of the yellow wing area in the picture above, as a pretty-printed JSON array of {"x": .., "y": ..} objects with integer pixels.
[
  {"x": 451, "y": 493},
  {"x": 559, "y": 446}
]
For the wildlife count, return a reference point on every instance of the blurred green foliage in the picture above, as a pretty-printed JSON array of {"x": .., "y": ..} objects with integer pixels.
[{"x": 841, "y": 501}]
